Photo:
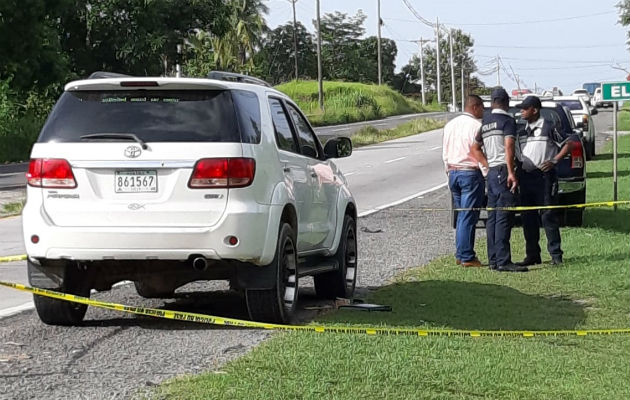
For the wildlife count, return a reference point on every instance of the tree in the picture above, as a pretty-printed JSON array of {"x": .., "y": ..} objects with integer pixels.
[
  {"x": 462, "y": 56},
  {"x": 29, "y": 44},
  {"x": 368, "y": 55},
  {"x": 235, "y": 50},
  {"x": 341, "y": 37},
  {"x": 273, "y": 61},
  {"x": 138, "y": 37}
]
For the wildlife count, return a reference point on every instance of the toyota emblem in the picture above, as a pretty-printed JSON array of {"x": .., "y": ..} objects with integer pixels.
[{"x": 133, "y": 152}]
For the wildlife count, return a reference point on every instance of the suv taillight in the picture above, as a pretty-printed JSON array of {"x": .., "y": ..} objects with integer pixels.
[
  {"x": 221, "y": 173},
  {"x": 577, "y": 155},
  {"x": 52, "y": 173}
]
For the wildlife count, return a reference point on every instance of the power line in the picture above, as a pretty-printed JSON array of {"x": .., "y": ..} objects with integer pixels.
[
  {"x": 547, "y": 60},
  {"x": 540, "y": 21},
  {"x": 594, "y": 46}
]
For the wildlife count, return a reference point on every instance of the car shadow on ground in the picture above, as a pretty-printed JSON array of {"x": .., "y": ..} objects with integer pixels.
[
  {"x": 608, "y": 219},
  {"x": 609, "y": 156},
  {"x": 592, "y": 175},
  {"x": 469, "y": 306}
]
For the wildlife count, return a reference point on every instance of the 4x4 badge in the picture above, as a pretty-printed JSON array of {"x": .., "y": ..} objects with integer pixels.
[{"x": 133, "y": 152}]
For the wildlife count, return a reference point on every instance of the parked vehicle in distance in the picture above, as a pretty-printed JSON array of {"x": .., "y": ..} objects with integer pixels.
[
  {"x": 582, "y": 115},
  {"x": 166, "y": 181},
  {"x": 583, "y": 93},
  {"x": 597, "y": 101},
  {"x": 590, "y": 87},
  {"x": 572, "y": 169},
  {"x": 520, "y": 92}
]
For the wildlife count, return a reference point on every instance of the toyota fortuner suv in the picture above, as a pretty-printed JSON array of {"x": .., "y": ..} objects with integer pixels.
[{"x": 165, "y": 181}]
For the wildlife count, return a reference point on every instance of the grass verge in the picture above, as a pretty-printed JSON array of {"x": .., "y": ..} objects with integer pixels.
[
  {"x": 346, "y": 102},
  {"x": 371, "y": 135},
  {"x": 14, "y": 208},
  {"x": 590, "y": 291},
  {"x": 623, "y": 118}
]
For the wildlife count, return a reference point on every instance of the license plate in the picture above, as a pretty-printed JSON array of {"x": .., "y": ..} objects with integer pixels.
[{"x": 138, "y": 181}]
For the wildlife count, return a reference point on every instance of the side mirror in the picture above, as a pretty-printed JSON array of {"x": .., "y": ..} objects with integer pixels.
[
  {"x": 338, "y": 148},
  {"x": 594, "y": 111},
  {"x": 580, "y": 125}
]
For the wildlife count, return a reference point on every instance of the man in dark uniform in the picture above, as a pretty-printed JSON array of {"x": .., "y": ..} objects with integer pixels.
[
  {"x": 542, "y": 147},
  {"x": 498, "y": 135}
]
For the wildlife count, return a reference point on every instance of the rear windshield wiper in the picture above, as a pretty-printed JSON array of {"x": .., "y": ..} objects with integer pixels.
[{"x": 116, "y": 136}]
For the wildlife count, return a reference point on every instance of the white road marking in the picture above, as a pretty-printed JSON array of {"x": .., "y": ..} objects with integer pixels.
[
  {"x": 381, "y": 124},
  {"x": 397, "y": 202},
  {"x": 435, "y": 148},
  {"x": 12, "y": 174},
  {"x": 340, "y": 130},
  {"x": 350, "y": 174},
  {"x": 394, "y": 160},
  {"x": 7, "y": 312}
]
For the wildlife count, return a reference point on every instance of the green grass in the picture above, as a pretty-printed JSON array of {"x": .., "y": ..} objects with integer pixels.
[
  {"x": 346, "y": 102},
  {"x": 371, "y": 135},
  {"x": 13, "y": 208},
  {"x": 590, "y": 291},
  {"x": 623, "y": 118}
]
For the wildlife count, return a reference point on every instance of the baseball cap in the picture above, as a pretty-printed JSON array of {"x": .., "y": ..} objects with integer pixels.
[
  {"x": 530, "y": 101},
  {"x": 499, "y": 94}
]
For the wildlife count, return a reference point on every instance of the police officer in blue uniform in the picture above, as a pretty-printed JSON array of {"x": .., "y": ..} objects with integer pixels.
[
  {"x": 542, "y": 147},
  {"x": 498, "y": 137}
]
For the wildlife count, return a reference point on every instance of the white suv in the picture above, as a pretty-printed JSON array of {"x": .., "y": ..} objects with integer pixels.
[{"x": 165, "y": 181}]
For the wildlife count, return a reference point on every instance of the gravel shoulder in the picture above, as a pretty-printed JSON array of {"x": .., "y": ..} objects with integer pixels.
[{"x": 118, "y": 356}]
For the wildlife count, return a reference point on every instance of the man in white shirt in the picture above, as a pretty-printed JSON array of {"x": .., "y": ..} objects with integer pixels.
[{"x": 462, "y": 162}]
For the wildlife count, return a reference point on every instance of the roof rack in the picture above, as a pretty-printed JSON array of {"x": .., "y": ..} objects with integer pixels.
[
  {"x": 231, "y": 76},
  {"x": 105, "y": 75}
]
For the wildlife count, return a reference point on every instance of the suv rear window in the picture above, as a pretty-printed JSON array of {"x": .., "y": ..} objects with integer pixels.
[
  {"x": 156, "y": 115},
  {"x": 571, "y": 104}
]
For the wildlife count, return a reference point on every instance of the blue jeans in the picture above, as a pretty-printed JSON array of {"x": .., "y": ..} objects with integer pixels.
[
  {"x": 540, "y": 189},
  {"x": 468, "y": 189},
  {"x": 499, "y": 225}
]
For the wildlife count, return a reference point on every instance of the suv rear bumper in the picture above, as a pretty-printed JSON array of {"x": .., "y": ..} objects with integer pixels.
[{"x": 256, "y": 228}]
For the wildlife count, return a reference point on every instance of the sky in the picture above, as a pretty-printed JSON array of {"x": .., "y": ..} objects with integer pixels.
[{"x": 547, "y": 43}]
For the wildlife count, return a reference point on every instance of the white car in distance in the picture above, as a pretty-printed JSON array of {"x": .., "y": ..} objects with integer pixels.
[
  {"x": 583, "y": 117},
  {"x": 165, "y": 181}
]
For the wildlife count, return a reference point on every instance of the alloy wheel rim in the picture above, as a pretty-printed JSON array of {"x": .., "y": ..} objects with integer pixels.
[
  {"x": 289, "y": 276},
  {"x": 350, "y": 260}
]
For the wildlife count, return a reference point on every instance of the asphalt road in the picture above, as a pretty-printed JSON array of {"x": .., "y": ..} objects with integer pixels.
[{"x": 120, "y": 356}]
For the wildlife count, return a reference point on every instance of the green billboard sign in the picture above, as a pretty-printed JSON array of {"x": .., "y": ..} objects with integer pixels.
[{"x": 616, "y": 91}]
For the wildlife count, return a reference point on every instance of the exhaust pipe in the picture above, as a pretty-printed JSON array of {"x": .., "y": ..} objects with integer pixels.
[{"x": 200, "y": 264}]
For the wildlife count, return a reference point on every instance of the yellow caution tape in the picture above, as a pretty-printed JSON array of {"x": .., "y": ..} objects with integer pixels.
[
  {"x": 20, "y": 257},
  {"x": 518, "y": 208},
  {"x": 209, "y": 319}
]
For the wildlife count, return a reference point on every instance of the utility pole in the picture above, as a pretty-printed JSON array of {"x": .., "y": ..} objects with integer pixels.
[
  {"x": 498, "y": 71},
  {"x": 378, "y": 41},
  {"x": 424, "y": 101},
  {"x": 437, "y": 42},
  {"x": 295, "y": 53},
  {"x": 453, "y": 96},
  {"x": 463, "y": 95},
  {"x": 518, "y": 81},
  {"x": 319, "y": 61}
]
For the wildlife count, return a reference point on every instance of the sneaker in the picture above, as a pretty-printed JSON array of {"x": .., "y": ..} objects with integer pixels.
[
  {"x": 472, "y": 263},
  {"x": 511, "y": 267},
  {"x": 529, "y": 261},
  {"x": 458, "y": 261},
  {"x": 556, "y": 260}
]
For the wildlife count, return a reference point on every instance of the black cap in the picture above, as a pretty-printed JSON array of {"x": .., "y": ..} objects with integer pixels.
[
  {"x": 530, "y": 101},
  {"x": 499, "y": 94}
]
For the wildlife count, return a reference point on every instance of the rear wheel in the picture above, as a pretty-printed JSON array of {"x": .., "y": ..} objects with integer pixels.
[
  {"x": 59, "y": 312},
  {"x": 341, "y": 282},
  {"x": 574, "y": 216},
  {"x": 278, "y": 304}
]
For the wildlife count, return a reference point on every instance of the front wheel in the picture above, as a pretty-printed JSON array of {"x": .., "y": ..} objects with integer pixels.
[
  {"x": 342, "y": 281},
  {"x": 278, "y": 304}
]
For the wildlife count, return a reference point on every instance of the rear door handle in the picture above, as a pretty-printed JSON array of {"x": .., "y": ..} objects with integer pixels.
[
  {"x": 287, "y": 169},
  {"x": 314, "y": 174}
]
